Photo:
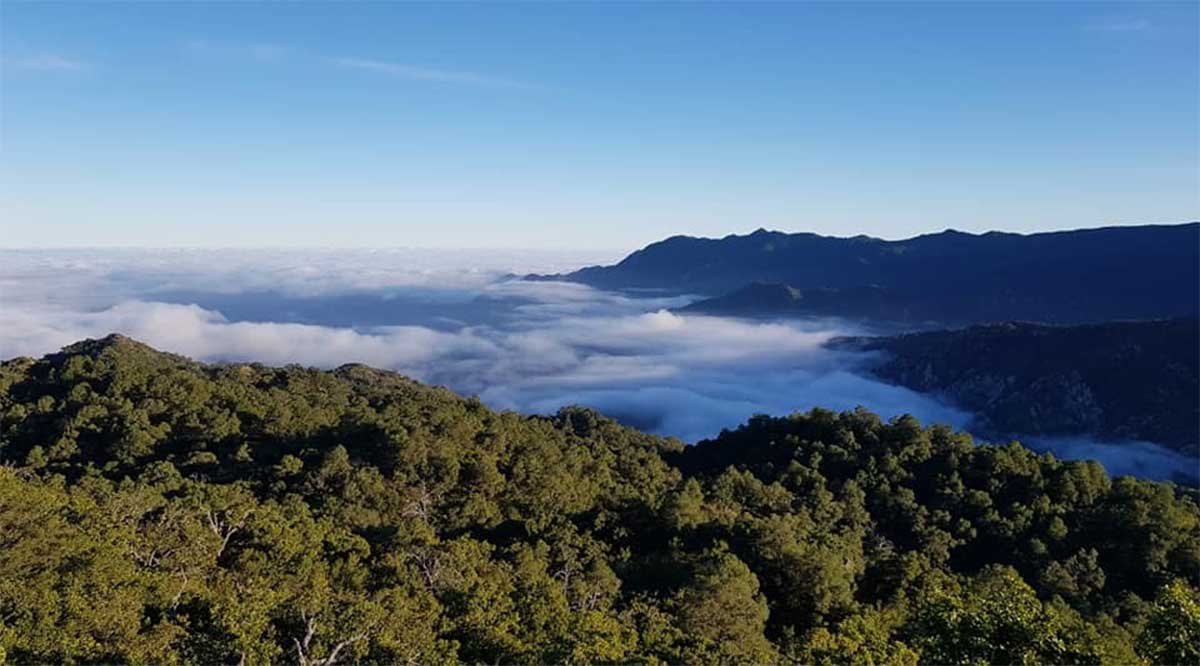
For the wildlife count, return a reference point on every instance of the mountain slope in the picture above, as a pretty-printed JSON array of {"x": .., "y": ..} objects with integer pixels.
[
  {"x": 1121, "y": 380},
  {"x": 765, "y": 299},
  {"x": 1086, "y": 275},
  {"x": 158, "y": 510}
]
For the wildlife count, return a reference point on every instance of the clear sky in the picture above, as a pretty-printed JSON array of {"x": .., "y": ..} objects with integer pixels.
[{"x": 588, "y": 125}]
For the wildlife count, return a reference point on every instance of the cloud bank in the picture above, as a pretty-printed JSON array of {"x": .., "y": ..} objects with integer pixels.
[{"x": 452, "y": 318}]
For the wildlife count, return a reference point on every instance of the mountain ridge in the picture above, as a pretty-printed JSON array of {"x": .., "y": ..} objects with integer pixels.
[{"x": 1076, "y": 276}]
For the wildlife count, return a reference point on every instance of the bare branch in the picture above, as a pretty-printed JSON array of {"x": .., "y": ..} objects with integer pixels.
[
  {"x": 300, "y": 659},
  {"x": 333, "y": 654},
  {"x": 310, "y": 628},
  {"x": 224, "y": 530},
  {"x": 420, "y": 506},
  {"x": 179, "y": 594},
  {"x": 429, "y": 561}
]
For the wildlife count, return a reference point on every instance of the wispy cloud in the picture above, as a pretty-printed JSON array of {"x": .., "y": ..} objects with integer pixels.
[
  {"x": 274, "y": 53},
  {"x": 428, "y": 74},
  {"x": 1120, "y": 25},
  {"x": 257, "y": 52},
  {"x": 48, "y": 63}
]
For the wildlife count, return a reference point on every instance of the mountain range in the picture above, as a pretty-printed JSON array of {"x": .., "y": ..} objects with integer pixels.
[
  {"x": 1087, "y": 332},
  {"x": 1087, "y": 275}
]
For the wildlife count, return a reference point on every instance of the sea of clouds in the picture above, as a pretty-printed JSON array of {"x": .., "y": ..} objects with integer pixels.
[{"x": 460, "y": 319}]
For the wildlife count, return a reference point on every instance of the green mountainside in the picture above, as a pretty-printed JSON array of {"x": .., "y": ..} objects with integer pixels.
[{"x": 157, "y": 510}]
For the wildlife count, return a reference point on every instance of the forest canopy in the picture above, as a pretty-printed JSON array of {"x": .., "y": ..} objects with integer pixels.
[{"x": 158, "y": 510}]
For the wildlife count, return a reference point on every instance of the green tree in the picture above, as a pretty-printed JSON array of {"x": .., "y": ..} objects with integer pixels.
[
  {"x": 1172, "y": 632},
  {"x": 997, "y": 619}
]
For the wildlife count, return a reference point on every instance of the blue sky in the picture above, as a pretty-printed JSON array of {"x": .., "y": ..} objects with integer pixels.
[{"x": 588, "y": 125}]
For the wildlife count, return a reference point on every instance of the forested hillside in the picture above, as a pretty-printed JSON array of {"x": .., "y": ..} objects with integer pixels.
[
  {"x": 153, "y": 509},
  {"x": 1136, "y": 380},
  {"x": 1086, "y": 275}
]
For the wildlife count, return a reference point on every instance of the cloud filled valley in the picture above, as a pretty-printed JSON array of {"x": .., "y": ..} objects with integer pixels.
[{"x": 453, "y": 318}]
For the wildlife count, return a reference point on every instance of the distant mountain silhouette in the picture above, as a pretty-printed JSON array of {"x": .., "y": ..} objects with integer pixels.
[
  {"x": 1120, "y": 380},
  {"x": 1136, "y": 272}
]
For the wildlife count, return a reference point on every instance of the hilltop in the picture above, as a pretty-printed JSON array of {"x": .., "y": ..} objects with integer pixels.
[{"x": 156, "y": 509}]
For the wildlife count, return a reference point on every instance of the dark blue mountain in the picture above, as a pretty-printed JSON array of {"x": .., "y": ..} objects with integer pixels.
[
  {"x": 1118, "y": 381},
  {"x": 1087, "y": 275}
]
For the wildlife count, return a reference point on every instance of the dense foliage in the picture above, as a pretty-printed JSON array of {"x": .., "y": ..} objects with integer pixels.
[{"x": 153, "y": 509}]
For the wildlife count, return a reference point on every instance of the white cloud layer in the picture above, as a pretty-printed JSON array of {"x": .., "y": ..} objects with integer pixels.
[{"x": 448, "y": 318}]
